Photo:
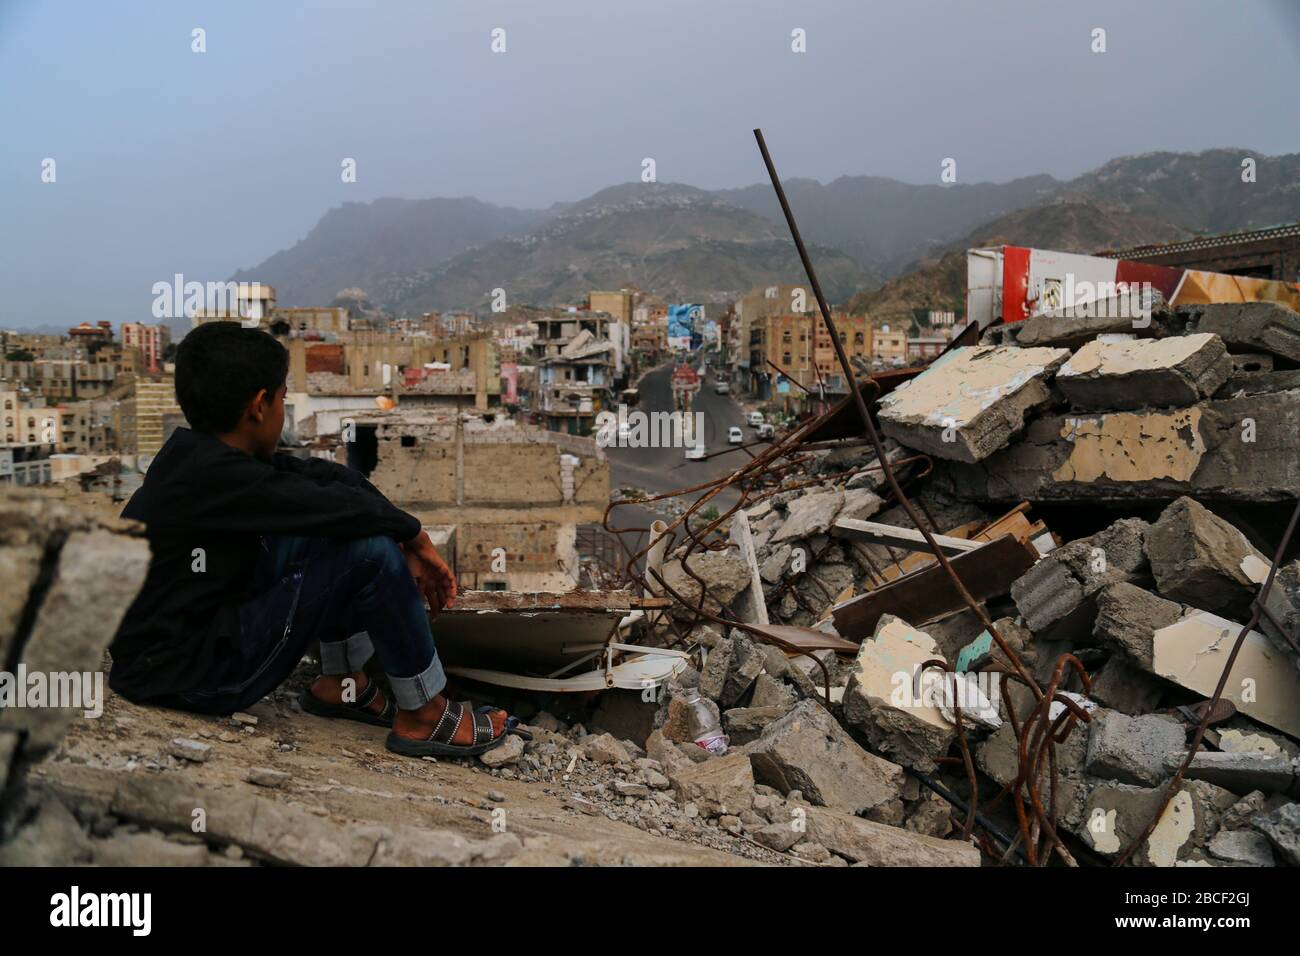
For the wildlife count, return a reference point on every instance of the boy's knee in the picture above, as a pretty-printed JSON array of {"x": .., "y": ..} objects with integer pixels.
[{"x": 380, "y": 549}]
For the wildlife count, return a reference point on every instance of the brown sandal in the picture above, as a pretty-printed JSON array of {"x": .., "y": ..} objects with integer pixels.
[{"x": 357, "y": 710}]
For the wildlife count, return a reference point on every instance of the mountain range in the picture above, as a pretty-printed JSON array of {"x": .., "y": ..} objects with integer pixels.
[{"x": 878, "y": 243}]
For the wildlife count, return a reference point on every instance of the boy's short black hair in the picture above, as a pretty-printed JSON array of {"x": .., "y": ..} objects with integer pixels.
[{"x": 220, "y": 366}]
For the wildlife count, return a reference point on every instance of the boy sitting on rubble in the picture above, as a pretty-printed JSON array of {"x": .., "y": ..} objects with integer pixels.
[{"x": 255, "y": 554}]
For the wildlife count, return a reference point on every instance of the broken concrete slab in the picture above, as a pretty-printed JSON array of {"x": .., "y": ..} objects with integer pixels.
[
  {"x": 726, "y": 573},
  {"x": 998, "y": 757},
  {"x": 1068, "y": 331},
  {"x": 810, "y": 514},
  {"x": 1283, "y": 607},
  {"x": 1115, "y": 373},
  {"x": 1240, "y": 449},
  {"x": 747, "y": 662},
  {"x": 1056, "y": 596},
  {"x": 875, "y": 844},
  {"x": 807, "y": 750},
  {"x": 1241, "y": 384},
  {"x": 971, "y": 401},
  {"x": 1198, "y": 558},
  {"x": 1116, "y": 814},
  {"x": 1128, "y": 618},
  {"x": 744, "y": 724},
  {"x": 1263, "y": 685},
  {"x": 771, "y": 692},
  {"x": 1237, "y": 741},
  {"x": 716, "y": 666},
  {"x": 723, "y": 785},
  {"x": 1282, "y": 828},
  {"x": 1246, "y": 326},
  {"x": 1240, "y": 772},
  {"x": 1133, "y": 749},
  {"x": 892, "y": 701},
  {"x": 1241, "y": 847},
  {"x": 859, "y": 504}
]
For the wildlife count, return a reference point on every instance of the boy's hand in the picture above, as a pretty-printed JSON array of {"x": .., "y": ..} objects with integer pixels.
[{"x": 430, "y": 572}]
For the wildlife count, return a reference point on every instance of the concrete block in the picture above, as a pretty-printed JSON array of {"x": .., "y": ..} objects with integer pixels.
[
  {"x": 1128, "y": 618},
  {"x": 1132, "y": 749},
  {"x": 1282, "y": 828},
  {"x": 1116, "y": 374},
  {"x": 810, "y": 514},
  {"x": 969, "y": 403},
  {"x": 1116, "y": 814},
  {"x": 889, "y": 703},
  {"x": 744, "y": 724},
  {"x": 1056, "y": 595},
  {"x": 1198, "y": 558},
  {"x": 1240, "y": 772},
  {"x": 724, "y": 785},
  {"x": 1239, "y": 449},
  {"x": 874, "y": 844},
  {"x": 1241, "y": 847},
  {"x": 807, "y": 750},
  {"x": 1263, "y": 685},
  {"x": 1249, "y": 326}
]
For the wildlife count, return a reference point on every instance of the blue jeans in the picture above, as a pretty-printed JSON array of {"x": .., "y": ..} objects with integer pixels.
[{"x": 355, "y": 596}]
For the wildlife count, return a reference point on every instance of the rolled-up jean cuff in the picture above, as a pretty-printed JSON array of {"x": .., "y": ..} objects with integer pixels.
[
  {"x": 346, "y": 657},
  {"x": 412, "y": 693}
]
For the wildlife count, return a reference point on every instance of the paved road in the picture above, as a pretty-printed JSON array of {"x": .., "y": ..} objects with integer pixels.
[{"x": 658, "y": 470}]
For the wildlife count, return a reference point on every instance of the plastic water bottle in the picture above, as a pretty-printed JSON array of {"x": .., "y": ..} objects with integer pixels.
[{"x": 708, "y": 732}]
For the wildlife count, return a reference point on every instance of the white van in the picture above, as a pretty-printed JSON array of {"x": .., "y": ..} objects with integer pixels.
[
  {"x": 755, "y": 419},
  {"x": 735, "y": 436}
]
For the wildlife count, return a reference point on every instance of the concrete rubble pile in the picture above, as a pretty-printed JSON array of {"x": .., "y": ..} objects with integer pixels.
[{"x": 1160, "y": 463}]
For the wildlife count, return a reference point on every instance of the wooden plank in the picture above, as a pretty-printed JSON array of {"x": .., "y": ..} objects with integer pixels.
[
  {"x": 871, "y": 532},
  {"x": 926, "y": 594}
]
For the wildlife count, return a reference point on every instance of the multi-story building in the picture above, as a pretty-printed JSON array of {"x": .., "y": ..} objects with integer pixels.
[
  {"x": 86, "y": 428},
  {"x": 149, "y": 340},
  {"x": 925, "y": 347},
  {"x": 745, "y": 346},
  {"x": 26, "y": 463},
  {"x": 86, "y": 334},
  {"x": 27, "y": 419},
  {"x": 801, "y": 348},
  {"x": 140, "y": 411},
  {"x": 60, "y": 380},
  {"x": 889, "y": 345},
  {"x": 575, "y": 361}
]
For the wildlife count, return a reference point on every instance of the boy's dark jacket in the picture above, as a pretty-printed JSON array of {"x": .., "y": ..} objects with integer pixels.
[{"x": 201, "y": 493}]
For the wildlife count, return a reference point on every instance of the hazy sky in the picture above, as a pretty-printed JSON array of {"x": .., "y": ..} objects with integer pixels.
[{"x": 173, "y": 161}]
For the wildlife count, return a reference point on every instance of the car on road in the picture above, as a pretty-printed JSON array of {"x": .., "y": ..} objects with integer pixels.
[
  {"x": 721, "y": 388},
  {"x": 766, "y": 430},
  {"x": 735, "y": 436},
  {"x": 696, "y": 453},
  {"x": 755, "y": 419}
]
